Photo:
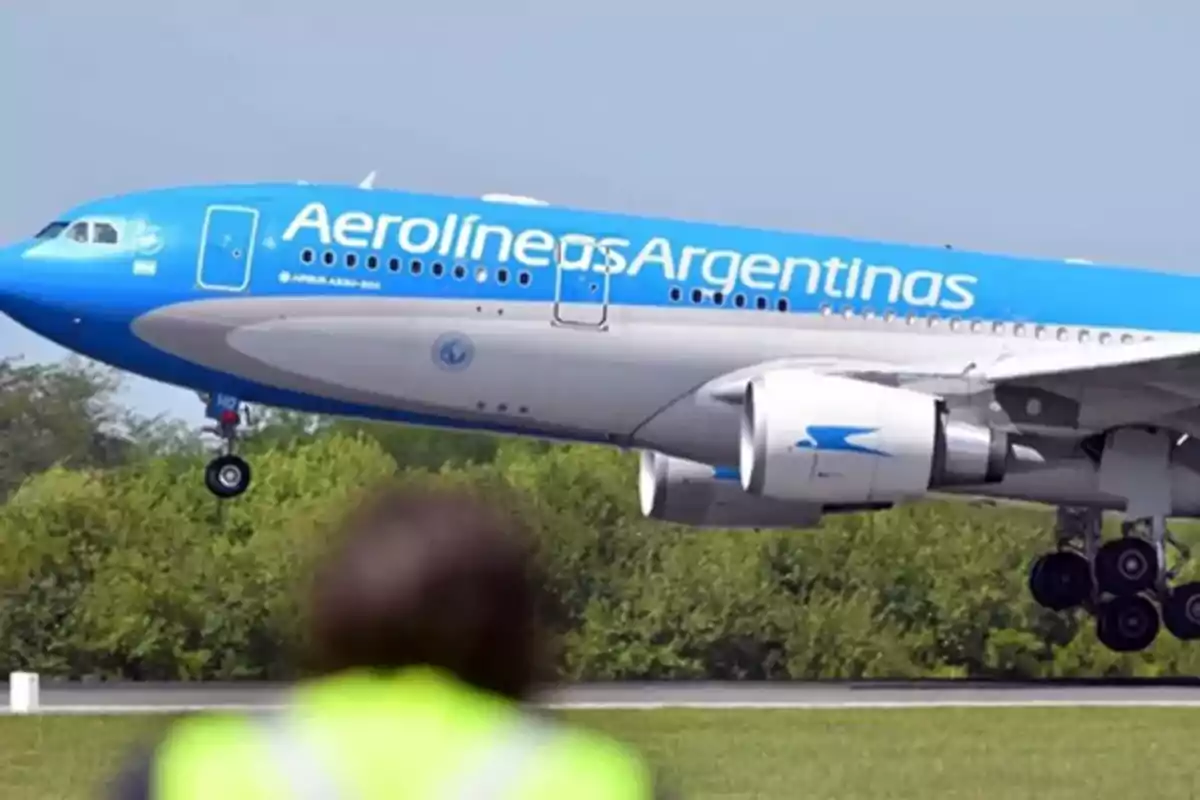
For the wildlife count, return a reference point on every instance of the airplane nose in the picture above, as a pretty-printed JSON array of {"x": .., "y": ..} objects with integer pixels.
[{"x": 10, "y": 269}]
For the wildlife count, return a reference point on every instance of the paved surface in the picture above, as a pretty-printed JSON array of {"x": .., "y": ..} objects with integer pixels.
[{"x": 149, "y": 698}]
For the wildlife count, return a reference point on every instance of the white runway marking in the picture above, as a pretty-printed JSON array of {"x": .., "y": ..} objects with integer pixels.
[
  {"x": 180, "y": 698},
  {"x": 866, "y": 704},
  {"x": 616, "y": 705}
]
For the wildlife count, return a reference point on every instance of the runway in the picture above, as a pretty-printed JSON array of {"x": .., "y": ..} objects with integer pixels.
[{"x": 176, "y": 698}]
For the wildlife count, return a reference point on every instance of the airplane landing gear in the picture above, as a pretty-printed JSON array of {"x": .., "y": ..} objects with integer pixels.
[
  {"x": 1123, "y": 582},
  {"x": 1127, "y": 624},
  {"x": 1127, "y": 566},
  {"x": 1118, "y": 581},
  {"x": 1181, "y": 611},
  {"x": 1061, "y": 580},
  {"x": 227, "y": 475}
]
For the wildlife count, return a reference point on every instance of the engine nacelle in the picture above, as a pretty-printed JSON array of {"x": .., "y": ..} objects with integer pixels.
[
  {"x": 826, "y": 439},
  {"x": 690, "y": 493}
]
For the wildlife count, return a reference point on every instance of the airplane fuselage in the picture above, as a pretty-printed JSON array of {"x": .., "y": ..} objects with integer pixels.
[{"x": 535, "y": 319}]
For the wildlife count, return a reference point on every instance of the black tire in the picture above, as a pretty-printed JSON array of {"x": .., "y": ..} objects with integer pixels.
[
  {"x": 1126, "y": 567},
  {"x": 1181, "y": 612},
  {"x": 227, "y": 476},
  {"x": 1127, "y": 624},
  {"x": 1059, "y": 581}
]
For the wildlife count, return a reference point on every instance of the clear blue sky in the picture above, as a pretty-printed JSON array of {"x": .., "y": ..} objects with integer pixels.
[{"x": 1072, "y": 133}]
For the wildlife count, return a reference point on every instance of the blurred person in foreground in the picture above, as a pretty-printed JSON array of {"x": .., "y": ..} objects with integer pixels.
[{"x": 425, "y": 626}]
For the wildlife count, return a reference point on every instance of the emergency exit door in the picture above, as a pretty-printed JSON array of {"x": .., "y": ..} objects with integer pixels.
[{"x": 227, "y": 248}]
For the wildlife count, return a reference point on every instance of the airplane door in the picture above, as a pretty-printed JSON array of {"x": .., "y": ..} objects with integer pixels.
[
  {"x": 581, "y": 289},
  {"x": 227, "y": 248}
]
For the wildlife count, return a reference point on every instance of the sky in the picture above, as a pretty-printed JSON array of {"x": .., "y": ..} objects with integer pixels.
[{"x": 1067, "y": 129}]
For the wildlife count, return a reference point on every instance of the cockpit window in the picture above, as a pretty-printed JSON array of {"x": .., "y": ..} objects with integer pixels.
[
  {"x": 52, "y": 230},
  {"x": 94, "y": 232},
  {"x": 104, "y": 233}
]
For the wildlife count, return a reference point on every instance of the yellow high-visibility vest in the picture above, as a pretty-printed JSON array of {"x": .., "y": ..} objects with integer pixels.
[{"x": 416, "y": 733}]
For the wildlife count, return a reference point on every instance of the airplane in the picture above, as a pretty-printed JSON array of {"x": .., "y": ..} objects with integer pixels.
[{"x": 768, "y": 378}]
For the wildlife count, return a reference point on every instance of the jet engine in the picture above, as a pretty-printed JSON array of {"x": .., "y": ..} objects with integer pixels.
[
  {"x": 826, "y": 439},
  {"x": 689, "y": 493}
]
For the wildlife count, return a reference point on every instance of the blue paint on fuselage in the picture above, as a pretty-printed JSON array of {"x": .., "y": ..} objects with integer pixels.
[{"x": 401, "y": 244}]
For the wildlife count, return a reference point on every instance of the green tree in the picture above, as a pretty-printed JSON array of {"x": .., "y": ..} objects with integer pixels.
[
  {"x": 129, "y": 568},
  {"x": 62, "y": 414}
]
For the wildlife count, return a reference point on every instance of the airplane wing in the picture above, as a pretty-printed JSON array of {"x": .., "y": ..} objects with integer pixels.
[
  {"x": 1085, "y": 388},
  {"x": 1170, "y": 368},
  {"x": 1092, "y": 387},
  {"x": 1151, "y": 361},
  {"x": 1166, "y": 365}
]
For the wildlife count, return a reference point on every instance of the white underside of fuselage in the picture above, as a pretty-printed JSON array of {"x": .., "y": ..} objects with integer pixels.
[
  {"x": 634, "y": 381},
  {"x": 639, "y": 381},
  {"x": 522, "y": 369}
]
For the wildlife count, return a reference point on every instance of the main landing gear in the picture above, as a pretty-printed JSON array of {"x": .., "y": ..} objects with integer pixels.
[
  {"x": 1124, "y": 582},
  {"x": 227, "y": 475}
]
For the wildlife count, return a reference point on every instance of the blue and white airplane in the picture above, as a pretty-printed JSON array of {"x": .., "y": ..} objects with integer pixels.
[{"x": 768, "y": 378}]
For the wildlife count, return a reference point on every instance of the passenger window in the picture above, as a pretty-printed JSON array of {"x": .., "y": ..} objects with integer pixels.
[
  {"x": 78, "y": 232},
  {"x": 103, "y": 233}
]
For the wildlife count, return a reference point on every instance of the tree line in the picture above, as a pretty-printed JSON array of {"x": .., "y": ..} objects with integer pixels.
[{"x": 116, "y": 562}]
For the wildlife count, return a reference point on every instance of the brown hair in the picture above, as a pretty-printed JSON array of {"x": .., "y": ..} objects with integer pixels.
[{"x": 438, "y": 577}]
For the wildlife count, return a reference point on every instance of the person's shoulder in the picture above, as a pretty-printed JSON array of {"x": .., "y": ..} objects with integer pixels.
[
  {"x": 206, "y": 734},
  {"x": 607, "y": 766}
]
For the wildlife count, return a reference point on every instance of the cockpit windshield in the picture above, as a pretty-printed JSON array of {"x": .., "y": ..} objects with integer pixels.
[
  {"x": 52, "y": 230},
  {"x": 94, "y": 232},
  {"x": 85, "y": 231}
]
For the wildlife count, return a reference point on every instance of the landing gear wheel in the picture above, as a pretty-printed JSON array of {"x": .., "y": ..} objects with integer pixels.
[
  {"x": 1127, "y": 624},
  {"x": 1127, "y": 566},
  {"x": 1060, "y": 580},
  {"x": 1181, "y": 612},
  {"x": 227, "y": 476}
]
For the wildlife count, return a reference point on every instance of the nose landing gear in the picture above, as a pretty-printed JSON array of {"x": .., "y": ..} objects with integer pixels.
[{"x": 227, "y": 475}]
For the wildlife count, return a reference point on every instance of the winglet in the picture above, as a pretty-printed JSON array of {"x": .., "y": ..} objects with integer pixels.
[{"x": 368, "y": 182}]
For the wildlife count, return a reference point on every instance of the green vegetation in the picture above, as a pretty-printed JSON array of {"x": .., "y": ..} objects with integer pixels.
[
  {"x": 908, "y": 753},
  {"x": 115, "y": 561}
]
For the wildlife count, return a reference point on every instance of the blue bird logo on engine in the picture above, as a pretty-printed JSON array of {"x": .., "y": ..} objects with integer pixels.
[{"x": 835, "y": 438}]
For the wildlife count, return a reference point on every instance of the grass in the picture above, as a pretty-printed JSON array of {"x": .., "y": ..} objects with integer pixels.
[{"x": 902, "y": 753}]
